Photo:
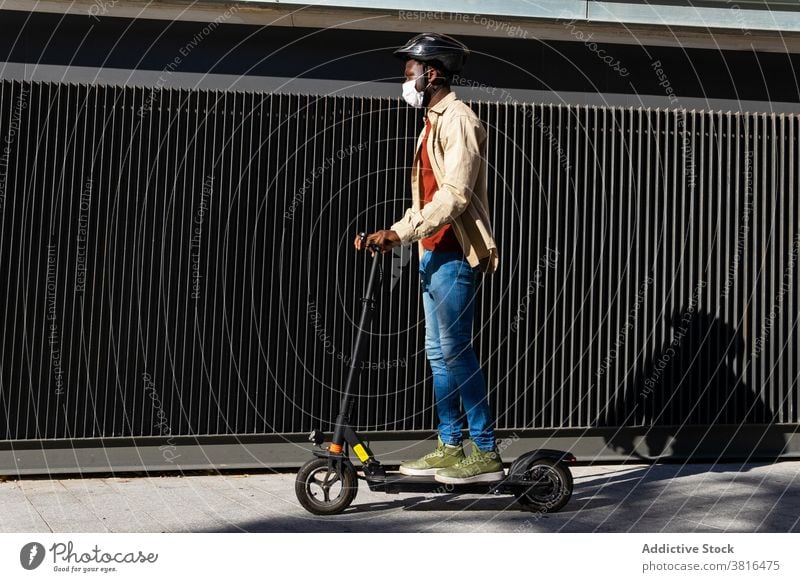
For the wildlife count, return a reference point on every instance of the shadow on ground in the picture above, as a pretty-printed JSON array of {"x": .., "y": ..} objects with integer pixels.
[{"x": 640, "y": 498}]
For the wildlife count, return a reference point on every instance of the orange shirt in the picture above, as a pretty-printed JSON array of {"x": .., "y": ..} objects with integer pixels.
[{"x": 444, "y": 239}]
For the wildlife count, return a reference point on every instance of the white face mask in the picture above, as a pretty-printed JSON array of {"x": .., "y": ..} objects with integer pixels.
[{"x": 411, "y": 95}]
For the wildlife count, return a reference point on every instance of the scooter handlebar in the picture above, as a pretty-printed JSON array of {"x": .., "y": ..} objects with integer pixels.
[{"x": 373, "y": 247}]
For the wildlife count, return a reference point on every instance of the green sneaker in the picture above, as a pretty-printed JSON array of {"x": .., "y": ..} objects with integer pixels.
[
  {"x": 479, "y": 467},
  {"x": 443, "y": 456}
]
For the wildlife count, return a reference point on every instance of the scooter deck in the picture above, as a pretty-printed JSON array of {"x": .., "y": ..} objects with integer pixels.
[{"x": 396, "y": 482}]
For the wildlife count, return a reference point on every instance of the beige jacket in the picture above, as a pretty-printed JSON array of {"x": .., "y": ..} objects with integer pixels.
[{"x": 457, "y": 150}]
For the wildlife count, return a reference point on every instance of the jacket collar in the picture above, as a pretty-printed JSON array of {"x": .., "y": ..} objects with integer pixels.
[
  {"x": 438, "y": 109},
  {"x": 442, "y": 105}
]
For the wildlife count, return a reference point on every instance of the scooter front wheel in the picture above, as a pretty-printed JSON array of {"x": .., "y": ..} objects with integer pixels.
[{"x": 324, "y": 490}]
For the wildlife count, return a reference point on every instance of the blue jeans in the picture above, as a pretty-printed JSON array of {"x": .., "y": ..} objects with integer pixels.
[{"x": 448, "y": 296}]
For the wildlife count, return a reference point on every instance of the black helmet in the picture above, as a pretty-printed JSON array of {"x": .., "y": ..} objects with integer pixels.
[{"x": 432, "y": 47}]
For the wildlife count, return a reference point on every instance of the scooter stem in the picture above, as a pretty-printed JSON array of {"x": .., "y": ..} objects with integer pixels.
[{"x": 355, "y": 360}]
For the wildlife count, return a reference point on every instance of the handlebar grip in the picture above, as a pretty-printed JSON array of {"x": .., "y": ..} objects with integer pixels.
[{"x": 374, "y": 247}]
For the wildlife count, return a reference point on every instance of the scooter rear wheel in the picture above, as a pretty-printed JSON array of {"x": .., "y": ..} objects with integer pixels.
[
  {"x": 326, "y": 492},
  {"x": 553, "y": 490}
]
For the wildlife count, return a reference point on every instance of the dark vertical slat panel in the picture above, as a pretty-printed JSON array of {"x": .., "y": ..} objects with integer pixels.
[
  {"x": 218, "y": 268},
  {"x": 532, "y": 200},
  {"x": 697, "y": 398},
  {"x": 106, "y": 392},
  {"x": 235, "y": 265},
  {"x": 568, "y": 306},
  {"x": 549, "y": 380},
  {"x": 250, "y": 337},
  {"x": 53, "y": 207},
  {"x": 726, "y": 230},
  {"x": 42, "y": 234},
  {"x": 631, "y": 326},
  {"x": 507, "y": 143},
  {"x": 583, "y": 196},
  {"x": 649, "y": 204},
  {"x": 774, "y": 267},
  {"x": 183, "y": 341},
  {"x": 594, "y": 233},
  {"x": 121, "y": 153},
  {"x": 789, "y": 413},
  {"x": 50, "y": 195},
  {"x": 150, "y": 242},
  {"x": 745, "y": 279},
  {"x": 521, "y": 199},
  {"x": 617, "y": 257},
  {"x": 162, "y": 247},
  {"x": 609, "y": 189},
  {"x": 325, "y": 185},
  {"x": 14, "y": 202},
  {"x": 139, "y": 189},
  {"x": 210, "y": 303},
  {"x": 189, "y": 143},
  {"x": 717, "y": 234},
  {"x": 304, "y": 140},
  {"x": 729, "y": 230},
  {"x": 758, "y": 291},
  {"x": 605, "y": 241},
  {"x": 197, "y": 129},
  {"x": 262, "y": 268},
  {"x": 35, "y": 257},
  {"x": 5, "y": 168},
  {"x": 294, "y": 267}
]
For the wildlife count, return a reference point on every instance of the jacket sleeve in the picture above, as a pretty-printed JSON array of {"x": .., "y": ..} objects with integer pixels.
[{"x": 464, "y": 137}]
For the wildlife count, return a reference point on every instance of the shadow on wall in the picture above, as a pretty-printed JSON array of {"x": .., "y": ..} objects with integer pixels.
[{"x": 690, "y": 399}]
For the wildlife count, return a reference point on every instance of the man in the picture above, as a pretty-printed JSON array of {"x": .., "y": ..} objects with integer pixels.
[{"x": 449, "y": 219}]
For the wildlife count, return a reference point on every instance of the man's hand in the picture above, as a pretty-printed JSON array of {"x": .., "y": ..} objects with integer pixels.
[{"x": 386, "y": 239}]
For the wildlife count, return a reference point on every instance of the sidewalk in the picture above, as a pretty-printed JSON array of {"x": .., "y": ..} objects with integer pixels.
[{"x": 756, "y": 497}]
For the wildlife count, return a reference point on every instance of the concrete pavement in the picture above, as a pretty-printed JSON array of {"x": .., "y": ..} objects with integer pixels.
[{"x": 731, "y": 497}]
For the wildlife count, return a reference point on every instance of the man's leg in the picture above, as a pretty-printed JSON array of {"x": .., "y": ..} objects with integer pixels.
[
  {"x": 445, "y": 389},
  {"x": 449, "y": 451},
  {"x": 452, "y": 289}
]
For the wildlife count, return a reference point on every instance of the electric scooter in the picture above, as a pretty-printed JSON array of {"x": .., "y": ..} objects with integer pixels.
[{"x": 540, "y": 479}]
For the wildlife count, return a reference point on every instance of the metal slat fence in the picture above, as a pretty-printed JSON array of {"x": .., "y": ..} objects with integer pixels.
[{"x": 180, "y": 262}]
